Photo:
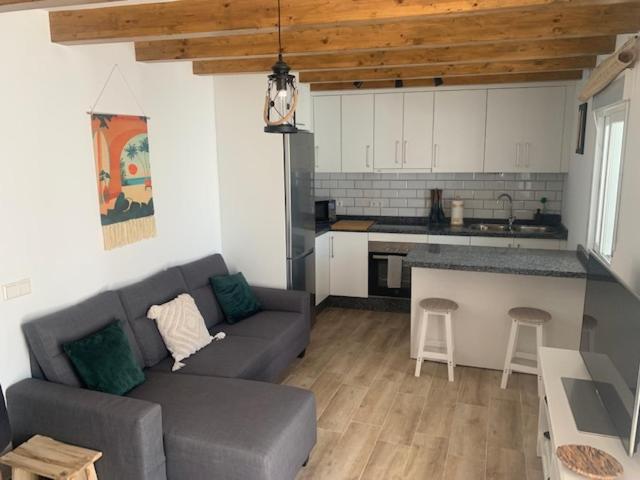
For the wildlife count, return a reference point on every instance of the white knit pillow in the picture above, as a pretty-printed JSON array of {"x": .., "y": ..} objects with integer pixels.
[{"x": 181, "y": 326}]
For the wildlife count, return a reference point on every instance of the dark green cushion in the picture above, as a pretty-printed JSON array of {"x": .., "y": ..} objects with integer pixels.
[
  {"x": 235, "y": 297},
  {"x": 104, "y": 361}
]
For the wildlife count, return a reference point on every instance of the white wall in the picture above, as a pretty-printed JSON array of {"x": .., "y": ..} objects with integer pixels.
[
  {"x": 577, "y": 199},
  {"x": 50, "y": 227},
  {"x": 251, "y": 169}
]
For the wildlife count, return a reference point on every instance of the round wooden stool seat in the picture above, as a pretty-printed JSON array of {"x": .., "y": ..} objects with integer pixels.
[
  {"x": 439, "y": 305},
  {"x": 533, "y": 316}
]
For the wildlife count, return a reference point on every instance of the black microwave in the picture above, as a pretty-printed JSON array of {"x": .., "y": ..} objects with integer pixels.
[{"x": 325, "y": 210}]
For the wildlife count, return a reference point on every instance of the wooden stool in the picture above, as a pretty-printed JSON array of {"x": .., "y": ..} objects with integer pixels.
[
  {"x": 45, "y": 457},
  {"x": 524, "y": 317},
  {"x": 441, "y": 307}
]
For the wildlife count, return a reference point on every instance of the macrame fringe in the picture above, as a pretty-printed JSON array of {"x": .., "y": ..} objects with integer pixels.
[{"x": 131, "y": 231}]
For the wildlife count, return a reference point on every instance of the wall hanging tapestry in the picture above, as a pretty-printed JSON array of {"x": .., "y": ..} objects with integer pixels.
[{"x": 123, "y": 175}]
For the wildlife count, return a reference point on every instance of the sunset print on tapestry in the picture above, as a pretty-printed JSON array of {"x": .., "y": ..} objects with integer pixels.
[{"x": 123, "y": 175}]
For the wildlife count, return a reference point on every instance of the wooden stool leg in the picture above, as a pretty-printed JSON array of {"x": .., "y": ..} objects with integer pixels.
[
  {"x": 421, "y": 341},
  {"x": 449, "y": 333},
  {"x": 513, "y": 337},
  {"x": 20, "y": 474},
  {"x": 539, "y": 343}
]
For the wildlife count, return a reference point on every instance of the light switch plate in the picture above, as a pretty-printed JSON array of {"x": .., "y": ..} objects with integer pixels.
[{"x": 16, "y": 289}]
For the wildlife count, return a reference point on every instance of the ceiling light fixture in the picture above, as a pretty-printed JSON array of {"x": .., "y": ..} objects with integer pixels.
[{"x": 281, "y": 100}]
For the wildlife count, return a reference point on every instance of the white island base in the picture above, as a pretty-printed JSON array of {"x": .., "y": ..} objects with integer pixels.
[{"x": 481, "y": 324}]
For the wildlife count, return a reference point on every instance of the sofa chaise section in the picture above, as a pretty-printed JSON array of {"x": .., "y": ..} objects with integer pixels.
[{"x": 231, "y": 429}]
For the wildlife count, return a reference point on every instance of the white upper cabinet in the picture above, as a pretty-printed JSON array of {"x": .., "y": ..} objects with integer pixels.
[
  {"x": 304, "y": 112},
  {"x": 525, "y": 129},
  {"x": 327, "y": 131},
  {"x": 418, "y": 130},
  {"x": 403, "y": 130},
  {"x": 357, "y": 133},
  {"x": 388, "y": 143},
  {"x": 459, "y": 131}
]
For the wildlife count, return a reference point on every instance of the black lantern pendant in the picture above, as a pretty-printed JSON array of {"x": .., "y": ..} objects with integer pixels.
[{"x": 281, "y": 99}]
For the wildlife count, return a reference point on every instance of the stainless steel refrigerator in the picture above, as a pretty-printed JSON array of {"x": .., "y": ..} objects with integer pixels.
[{"x": 299, "y": 166}]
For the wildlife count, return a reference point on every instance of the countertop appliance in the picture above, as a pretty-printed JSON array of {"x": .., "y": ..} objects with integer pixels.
[
  {"x": 299, "y": 162},
  {"x": 325, "y": 210},
  {"x": 609, "y": 348}
]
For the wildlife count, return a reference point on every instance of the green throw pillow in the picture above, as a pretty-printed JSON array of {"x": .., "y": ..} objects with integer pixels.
[
  {"x": 235, "y": 297},
  {"x": 104, "y": 360}
]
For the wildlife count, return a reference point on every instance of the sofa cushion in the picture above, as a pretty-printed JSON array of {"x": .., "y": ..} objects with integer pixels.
[
  {"x": 233, "y": 357},
  {"x": 280, "y": 328},
  {"x": 235, "y": 297},
  {"x": 196, "y": 275},
  {"x": 138, "y": 298},
  {"x": 104, "y": 360},
  {"x": 232, "y": 429},
  {"x": 47, "y": 334}
]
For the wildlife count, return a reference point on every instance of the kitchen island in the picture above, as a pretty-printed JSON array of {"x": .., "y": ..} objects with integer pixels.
[{"x": 486, "y": 282}]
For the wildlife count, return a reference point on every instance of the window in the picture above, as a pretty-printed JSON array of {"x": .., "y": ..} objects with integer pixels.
[{"x": 611, "y": 123}]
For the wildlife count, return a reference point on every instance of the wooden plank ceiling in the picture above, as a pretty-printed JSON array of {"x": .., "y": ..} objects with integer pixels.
[{"x": 339, "y": 44}]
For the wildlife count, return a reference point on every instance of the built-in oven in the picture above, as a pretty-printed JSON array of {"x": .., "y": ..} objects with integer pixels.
[
  {"x": 325, "y": 210},
  {"x": 388, "y": 277}
]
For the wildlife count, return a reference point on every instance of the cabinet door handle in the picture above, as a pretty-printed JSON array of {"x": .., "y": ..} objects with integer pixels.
[
  {"x": 367, "y": 156},
  {"x": 397, "y": 145},
  {"x": 317, "y": 152},
  {"x": 404, "y": 152},
  {"x": 331, "y": 247},
  {"x": 527, "y": 149},
  {"x": 517, "y": 154},
  {"x": 435, "y": 155}
]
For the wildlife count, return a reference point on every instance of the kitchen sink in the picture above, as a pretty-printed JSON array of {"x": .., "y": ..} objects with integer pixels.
[
  {"x": 532, "y": 228},
  {"x": 489, "y": 227},
  {"x": 498, "y": 227}
]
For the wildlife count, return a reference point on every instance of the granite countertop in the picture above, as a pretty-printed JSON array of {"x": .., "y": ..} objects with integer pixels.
[
  {"x": 412, "y": 225},
  {"x": 521, "y": 261}
]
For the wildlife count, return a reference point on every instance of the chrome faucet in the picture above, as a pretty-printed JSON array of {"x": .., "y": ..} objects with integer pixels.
[{"x": 512, "y": 217}]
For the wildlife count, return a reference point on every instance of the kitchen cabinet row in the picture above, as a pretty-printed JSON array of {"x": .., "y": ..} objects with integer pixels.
[
  {"x": 342, "y": 258},
  {"x": 475, "y": 130}
]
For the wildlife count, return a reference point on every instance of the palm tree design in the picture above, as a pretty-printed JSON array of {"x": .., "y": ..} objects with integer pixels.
[{"x": 143, "y": 148}]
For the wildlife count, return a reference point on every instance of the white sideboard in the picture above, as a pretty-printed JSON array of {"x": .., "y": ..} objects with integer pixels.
[{"x": 557, "y": 419}]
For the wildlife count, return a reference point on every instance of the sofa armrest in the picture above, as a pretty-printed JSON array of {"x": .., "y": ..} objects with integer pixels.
[
  {"x": 284, "y": 300},
  {"x": 127, "y": 431}
]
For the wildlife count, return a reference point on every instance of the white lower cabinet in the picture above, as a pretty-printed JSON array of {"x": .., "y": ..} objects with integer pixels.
[
  {"x": 349, "y": 264},
  {"x": 539, "y": 243},
  {"x": 449, "y": 239},
  {"x": 492, "y": 242},
  {"x": 323, "y": 275}
]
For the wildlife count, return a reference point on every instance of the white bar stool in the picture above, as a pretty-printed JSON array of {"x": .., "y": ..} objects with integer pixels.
[
  {"x": 444, "y": 308},
  {"x": 520, "y": 361}
]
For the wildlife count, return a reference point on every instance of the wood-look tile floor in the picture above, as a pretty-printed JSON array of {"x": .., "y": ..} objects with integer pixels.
[{"x": 377, "y": 421}]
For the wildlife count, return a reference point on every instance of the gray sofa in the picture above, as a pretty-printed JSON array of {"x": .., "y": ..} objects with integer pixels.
[{"x": 219, "y": 417}]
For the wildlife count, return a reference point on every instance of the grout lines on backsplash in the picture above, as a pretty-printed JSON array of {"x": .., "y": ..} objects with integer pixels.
[{"x": 407, "y": 194}]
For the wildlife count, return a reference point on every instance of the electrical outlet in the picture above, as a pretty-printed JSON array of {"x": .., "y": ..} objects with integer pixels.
[
  {"x": 375, "y": 203},
  {"x": 16, "y": 289},
  {"x": 339, "y": 203}
]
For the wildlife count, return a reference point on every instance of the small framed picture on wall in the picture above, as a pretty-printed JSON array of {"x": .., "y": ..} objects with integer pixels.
[{"x": 582, "y": 128}]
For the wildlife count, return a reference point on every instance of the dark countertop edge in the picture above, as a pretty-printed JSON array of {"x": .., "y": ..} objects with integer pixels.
[
  {"x": 505, "y": 270},
  {"x": 381, "y": 226}
]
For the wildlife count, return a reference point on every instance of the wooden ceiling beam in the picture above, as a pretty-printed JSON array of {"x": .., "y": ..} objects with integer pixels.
[
  {"x": 512, "y": 51},
  {"x": 15, "y": 5},
  {"x": 449, "y": 70},
  {"x": 548, "y": 23},
  {"x": 452, "y": 81},
  {"x": 195, "y": 18}
]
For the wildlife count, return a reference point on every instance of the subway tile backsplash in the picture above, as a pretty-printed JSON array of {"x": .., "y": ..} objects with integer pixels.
[{"x": 408, "y": 194}]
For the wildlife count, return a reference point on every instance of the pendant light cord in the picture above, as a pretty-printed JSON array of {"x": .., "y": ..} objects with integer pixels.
[{"x": 279, "y": 32}]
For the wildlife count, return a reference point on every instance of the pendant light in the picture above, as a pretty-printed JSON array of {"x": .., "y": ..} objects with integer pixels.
[{"x": 281, "y": 100}]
